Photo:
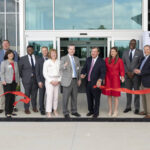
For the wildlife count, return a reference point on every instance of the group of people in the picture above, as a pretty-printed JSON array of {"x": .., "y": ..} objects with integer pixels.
[{"x": 47, "y": 74}]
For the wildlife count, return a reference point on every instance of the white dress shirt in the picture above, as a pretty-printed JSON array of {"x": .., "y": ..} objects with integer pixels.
[
  {"x": 33, "y": 57},
  {"x": 51, "y": 70},
  {"x": 94, "y": 59},
  {"x": 133, "y": 52}
]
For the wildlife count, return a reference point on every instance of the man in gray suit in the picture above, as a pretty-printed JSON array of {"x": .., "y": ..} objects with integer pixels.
[
  {"x": 27, "y": 73},
  {"x": 132, "y": 59},
  {"x": 70, "y": 71}
]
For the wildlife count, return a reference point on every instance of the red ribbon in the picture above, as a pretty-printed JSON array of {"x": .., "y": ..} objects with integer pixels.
[
  {"x": 26, "y": 100},
  {"x": 139, "y": 92}
]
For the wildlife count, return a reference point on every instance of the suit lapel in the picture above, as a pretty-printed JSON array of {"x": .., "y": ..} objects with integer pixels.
[
  {"x": 27, "y": 58},
  {"x": 135, "y": 54},
  {"x": 147, "y": 61}
]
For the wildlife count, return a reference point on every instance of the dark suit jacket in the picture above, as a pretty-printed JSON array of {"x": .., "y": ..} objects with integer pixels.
[
  {"x": 25, "y": 69},
  {"x": 98, "y": 71},
  {"x": 39, "y": 70},
  {"x": 145, "y": 73}
]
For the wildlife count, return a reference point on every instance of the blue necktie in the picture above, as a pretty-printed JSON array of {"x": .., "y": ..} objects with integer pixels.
[
  {"x": 143, "y": 62},
  {"x": 73, "y": 67}
]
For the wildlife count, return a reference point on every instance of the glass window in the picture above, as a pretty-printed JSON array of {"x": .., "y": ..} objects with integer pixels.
[
  {"x": 2, "y": 29},
  {"x": 11, "y": 30},
  {"x": 39, "y": 44},
  {"x": 83, "y": 14},
  {"x": 123, "y": 45},
  {"x": 39, "y": 14},
  {"x": 128, "y": 14},
  {"x": 1, "y": 5},
  {"x": 10, "y": 6}
]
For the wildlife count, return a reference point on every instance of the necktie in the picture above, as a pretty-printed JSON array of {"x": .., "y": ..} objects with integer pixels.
[
  {"x": 73, "y": 67},
  {"x": 32, "y": 63},
  {"x": 45, "y": 58},
  {"x": 130, "y": 57},
  {"x": 143, "y": 62},
  {"x": 89, "y": 75}
]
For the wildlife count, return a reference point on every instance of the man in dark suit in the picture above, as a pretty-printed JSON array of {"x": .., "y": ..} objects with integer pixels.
[
  {"x": 144, "y": 72},
  {"x": 94, "y": 70},
  {"x": 131, "y": 59},
  {"x": 27, "y": 73},
  {"x": 41, "y": 79}
]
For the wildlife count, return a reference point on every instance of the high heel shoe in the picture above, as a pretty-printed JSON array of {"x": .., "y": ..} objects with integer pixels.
[
  {"x": 49, "y": 115},
  {"x": 55, "y": 113},
  {"x": 115, "y": 114},
  {"x": 110, "y": 114}
]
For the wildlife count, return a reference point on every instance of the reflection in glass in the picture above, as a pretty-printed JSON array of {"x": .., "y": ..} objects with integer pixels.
[
  {"x": 10, "y": 5},
  {"x": 1, "y": 5},
  {"x": 11, "y": 30},
  {"x": 39, "y": 44},
  {"x": 39, "y": 14},
  {"x": 2, "y": 29},
  {"x": 83, "y": 14},
  {"x": 128, "y": 14}
]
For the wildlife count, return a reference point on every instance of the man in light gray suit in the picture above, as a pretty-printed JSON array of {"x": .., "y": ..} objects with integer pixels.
[
  {"x": 132, "y": 59},
  {"x": 70, "y": 71}
]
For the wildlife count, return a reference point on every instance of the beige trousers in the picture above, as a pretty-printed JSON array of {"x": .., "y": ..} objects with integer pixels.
[
  {"x": 146, "y": 101},
  {"x": 2, "y": 98},
  {"x": 52, "y": 97}
]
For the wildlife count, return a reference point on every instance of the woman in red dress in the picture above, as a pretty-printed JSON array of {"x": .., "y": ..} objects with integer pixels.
[{"x": 114, "y": 72}]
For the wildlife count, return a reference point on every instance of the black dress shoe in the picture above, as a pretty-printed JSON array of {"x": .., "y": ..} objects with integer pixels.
[
  {"x": 127, "y": 110},
  {"x": 76, "y": 114},
  {"x": 89, "y": 114},
  {"x": 15, "y": 109},
  {"x": 1, "y": 111},
  {"x": 67, "y": 116},
  {"x": 13, "y": 114},
  {"x": 42, "y": 112},
  {"x": 136, "y": 111},
  {"x": 95, "y": 116}
]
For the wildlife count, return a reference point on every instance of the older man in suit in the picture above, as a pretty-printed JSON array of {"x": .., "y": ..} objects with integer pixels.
[
  {"x": 70, "y": 71},
  {"x": 5, "y": 46},
  {"x": 144, "y": 72},
  {"x": 27, "y": 73},
  {"x": 41, "y": 79},
  {"x": 131, "y": 59},
  {"x": 94, "y": 70}
]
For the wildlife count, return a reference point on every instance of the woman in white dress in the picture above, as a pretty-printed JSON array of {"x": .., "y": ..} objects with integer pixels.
[{"x": 52, "y": 81}]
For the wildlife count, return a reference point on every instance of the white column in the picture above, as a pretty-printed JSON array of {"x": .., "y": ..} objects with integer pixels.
[
  {"x": 145, "y": 15},
  {"x": 22, "y": 26}
]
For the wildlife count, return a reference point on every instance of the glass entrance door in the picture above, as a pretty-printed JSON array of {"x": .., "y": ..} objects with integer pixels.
[{"x": 83, "y": 47}]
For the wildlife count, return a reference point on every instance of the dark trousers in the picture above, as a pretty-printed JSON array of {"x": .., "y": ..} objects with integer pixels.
[
  {"x": 31, "y": 91},
  {"x": 41, "y": 98},
  {"x": 133, "y": 84},
  {"x": 93, "y": 98},
  {"x": 9, "y": 98}
]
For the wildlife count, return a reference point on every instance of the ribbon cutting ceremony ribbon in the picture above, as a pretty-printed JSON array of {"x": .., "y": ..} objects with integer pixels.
[
  {"x": 26, "y": 100},
  {"x": 139, "y": 92}
]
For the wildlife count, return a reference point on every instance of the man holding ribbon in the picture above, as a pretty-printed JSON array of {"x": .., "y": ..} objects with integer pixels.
[
  {"x": 144, "y": 72},
  {"x": 94, "y": 70},
  {"x": 131, "y": 59}
]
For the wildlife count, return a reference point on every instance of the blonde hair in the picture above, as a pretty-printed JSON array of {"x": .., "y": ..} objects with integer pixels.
[{"x": 50, "y": 52}]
